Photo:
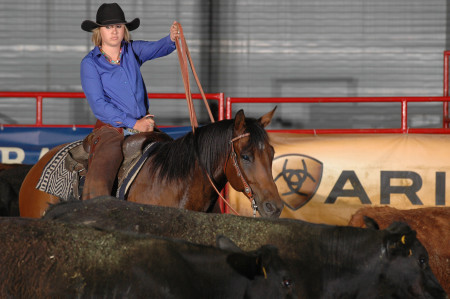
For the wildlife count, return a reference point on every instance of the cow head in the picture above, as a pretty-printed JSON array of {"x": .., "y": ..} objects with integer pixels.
[
  {"x": 264, "y": 269},
  {"x": 406, "y": 272}
]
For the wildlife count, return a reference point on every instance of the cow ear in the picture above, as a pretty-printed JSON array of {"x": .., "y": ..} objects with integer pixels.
[
  {"x": 267, "y": 118},
  {"x": 239, "y": 123},
  {"x": 371, "y": 223},
  {"x": 266, "y": 255},
  {"x": 399, "y": 239},
  {"x": 225, "y": 243},
  {"x": 254, "y": 264},
  {"x": 244, "y": 264}
]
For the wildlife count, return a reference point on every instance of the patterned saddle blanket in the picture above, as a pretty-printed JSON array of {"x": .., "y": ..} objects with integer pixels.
[{"x": 57, "y": 180}]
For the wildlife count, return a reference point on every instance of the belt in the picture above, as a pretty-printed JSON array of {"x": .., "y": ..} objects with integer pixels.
[{"x": 129, "y": 131}]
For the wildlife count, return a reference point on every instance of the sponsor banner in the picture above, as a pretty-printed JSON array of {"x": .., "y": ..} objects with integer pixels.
[
  {"x": 325, "y": 179},
  {"x": 25, "y": 145}
]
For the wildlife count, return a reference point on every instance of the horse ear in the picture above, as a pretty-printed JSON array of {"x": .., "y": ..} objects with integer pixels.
[
  {"x": 267, "y": 118},
  {"x": 239, "y": 122}
]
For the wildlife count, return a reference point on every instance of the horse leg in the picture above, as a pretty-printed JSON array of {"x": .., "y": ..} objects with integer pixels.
[{"x": 33, "y": 202}]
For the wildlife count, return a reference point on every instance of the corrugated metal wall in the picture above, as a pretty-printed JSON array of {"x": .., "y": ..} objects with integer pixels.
[{"x": 303, "y": 48}]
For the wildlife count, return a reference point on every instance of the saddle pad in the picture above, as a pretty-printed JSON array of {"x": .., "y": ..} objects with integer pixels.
[
  {"x": 132, "y": 172},
  {"x": 56, "y": 179}
]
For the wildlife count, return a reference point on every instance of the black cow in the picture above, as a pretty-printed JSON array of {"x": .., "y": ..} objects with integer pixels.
[
  {"x": 432, "y": 225},
  {"x": 8, "y": 198},
  {"x": 325, "y": 261},
  {"x": 49, "y": 259},
  {"x": 11, "y": 178}
]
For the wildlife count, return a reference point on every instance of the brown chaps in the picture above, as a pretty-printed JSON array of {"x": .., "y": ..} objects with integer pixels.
[{"x": 105, "y": 157}]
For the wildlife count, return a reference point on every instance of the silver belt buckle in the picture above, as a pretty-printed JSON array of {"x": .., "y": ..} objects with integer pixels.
[{"x": 128, "y": 131}]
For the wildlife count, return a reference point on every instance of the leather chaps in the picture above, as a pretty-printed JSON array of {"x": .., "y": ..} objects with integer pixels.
[{"x": 104, "y": 145}]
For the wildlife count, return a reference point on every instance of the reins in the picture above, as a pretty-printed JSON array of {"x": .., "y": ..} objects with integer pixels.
[{"x": 184, "y": 56}]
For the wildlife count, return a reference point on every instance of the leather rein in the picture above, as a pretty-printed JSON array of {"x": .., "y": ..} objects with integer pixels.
[{"x": 184, "y": 56}]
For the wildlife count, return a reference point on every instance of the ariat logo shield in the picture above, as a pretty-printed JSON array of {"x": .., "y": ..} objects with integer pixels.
[{"x": 297, "y": 178}]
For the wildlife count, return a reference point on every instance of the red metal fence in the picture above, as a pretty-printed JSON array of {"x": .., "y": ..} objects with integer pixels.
[
  {"x": 445, "y": 94},
  {"x": 227, "y": 110},
  {"x": 404, "y": 113},
  {"x": 225, "y": 107},
  {"x": 40, "y": 96},
  {"x": 403, "y": 100}
]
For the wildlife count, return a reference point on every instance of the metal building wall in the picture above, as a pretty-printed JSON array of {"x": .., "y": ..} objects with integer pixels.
[
  {"x": 243, "y": 48},
  {"x": 330, "y": 47}
]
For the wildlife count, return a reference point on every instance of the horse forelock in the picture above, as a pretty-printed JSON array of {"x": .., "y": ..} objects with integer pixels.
[{"x": 258, "y": 135}]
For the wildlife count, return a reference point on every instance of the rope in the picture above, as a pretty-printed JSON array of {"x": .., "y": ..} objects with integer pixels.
[
  {"x": 184, "y": 56},
  {"x": 220, "y": 195}
]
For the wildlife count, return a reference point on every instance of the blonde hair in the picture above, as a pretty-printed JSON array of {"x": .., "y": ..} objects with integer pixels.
[{"x": 97, "y": 37}]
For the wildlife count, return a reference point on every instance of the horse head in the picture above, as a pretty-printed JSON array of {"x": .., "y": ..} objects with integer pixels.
[{"x": 249, "y": 166}]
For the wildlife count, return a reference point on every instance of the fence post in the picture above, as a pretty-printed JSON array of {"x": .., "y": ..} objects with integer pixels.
[{"x": 445, "y": 117}]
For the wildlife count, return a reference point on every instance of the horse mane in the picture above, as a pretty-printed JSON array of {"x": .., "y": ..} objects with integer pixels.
[{"x": 209, "y": 146}]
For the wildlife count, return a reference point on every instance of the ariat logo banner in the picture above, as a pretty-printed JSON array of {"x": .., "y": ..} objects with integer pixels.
[
  {"x": 297, "y": 178},
  {"x": 327, "y": 178}
]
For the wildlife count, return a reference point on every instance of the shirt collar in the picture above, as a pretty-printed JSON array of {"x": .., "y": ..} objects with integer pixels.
[{"x": 97, "y": 51}]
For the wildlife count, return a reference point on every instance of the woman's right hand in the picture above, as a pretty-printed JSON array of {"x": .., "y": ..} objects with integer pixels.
[{"x": 145, "y": 124}]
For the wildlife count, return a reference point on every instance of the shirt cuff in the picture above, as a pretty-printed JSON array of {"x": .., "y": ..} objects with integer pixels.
[{"x": 129, "y": 123}]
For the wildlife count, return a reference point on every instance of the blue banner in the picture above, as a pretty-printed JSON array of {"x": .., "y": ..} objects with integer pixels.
[{"x": 25, "y": 145}]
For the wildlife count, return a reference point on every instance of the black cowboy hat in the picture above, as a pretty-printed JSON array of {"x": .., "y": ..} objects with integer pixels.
[{"x": 108, "y": 14}]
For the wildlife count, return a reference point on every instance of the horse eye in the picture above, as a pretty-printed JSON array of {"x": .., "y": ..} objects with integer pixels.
[
  {"x": 245, "y": 157},
  {"x": 287, "y": 283}
]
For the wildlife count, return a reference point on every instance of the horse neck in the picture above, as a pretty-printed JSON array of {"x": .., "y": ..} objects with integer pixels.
[{"x": 212, "y": 151}]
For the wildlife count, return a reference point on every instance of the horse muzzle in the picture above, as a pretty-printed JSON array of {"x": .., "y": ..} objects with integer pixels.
[{"x": 270, "y": 209}]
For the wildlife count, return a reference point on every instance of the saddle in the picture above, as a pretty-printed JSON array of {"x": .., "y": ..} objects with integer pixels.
[{"x": 77, "y": 158}]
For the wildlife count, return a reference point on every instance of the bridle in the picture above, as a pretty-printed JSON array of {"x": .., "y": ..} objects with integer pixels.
[{"x": 248, "y": 190}]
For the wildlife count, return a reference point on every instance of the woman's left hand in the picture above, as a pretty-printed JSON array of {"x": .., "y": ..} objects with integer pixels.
[
  {"x": 145, "y": 124},
  {"x": 174, "y": 32}
]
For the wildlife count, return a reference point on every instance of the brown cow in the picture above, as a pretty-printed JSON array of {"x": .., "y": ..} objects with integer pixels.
[{"x": 433, "y": 231}]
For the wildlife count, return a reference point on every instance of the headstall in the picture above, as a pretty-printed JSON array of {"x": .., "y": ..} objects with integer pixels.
[{"x": 247, "y": 190}]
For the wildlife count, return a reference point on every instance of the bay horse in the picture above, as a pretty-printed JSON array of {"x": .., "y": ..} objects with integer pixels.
[{"x": 181, "y": 172}]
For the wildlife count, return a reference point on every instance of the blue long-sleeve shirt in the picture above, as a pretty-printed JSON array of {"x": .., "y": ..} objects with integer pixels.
[{"x": 116, "y": 93}]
